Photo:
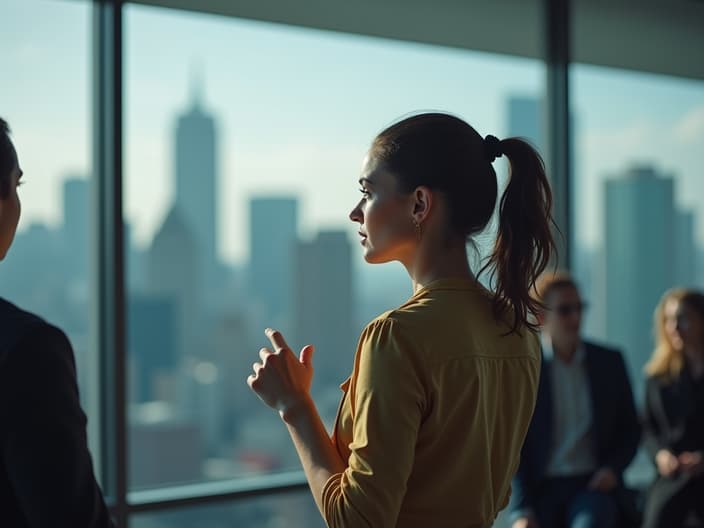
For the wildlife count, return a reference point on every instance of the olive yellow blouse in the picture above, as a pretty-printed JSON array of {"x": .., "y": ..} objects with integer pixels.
[{"x": 434, "y": 414}]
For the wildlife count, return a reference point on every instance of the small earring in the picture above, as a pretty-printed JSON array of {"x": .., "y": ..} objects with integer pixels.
[{"x": 419, "y": 229}]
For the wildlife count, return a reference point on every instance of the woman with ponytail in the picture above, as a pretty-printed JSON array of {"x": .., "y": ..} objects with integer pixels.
[{"x": 442, "y": 389}]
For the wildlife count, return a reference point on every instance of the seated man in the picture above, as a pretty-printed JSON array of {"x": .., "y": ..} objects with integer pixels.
[
  {"x": 46, "y": 474},
  {"x": 584, "y": 430}
]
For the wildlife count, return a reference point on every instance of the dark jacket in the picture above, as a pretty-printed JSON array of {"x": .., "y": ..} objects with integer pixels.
[
  {"x": 674, "y": 414},
  {"x": 46, "y": 474},
  {"x": 616, "y": 430}
]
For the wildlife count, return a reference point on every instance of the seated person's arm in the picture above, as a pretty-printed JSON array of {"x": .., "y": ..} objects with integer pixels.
[
  {"x": 521, "y": 505},
  {"x": 626, "y": 434},
  {"x": 44, "y": 444},
  {"x": 651, "y": 429},
  {"x": 666, "y": 462}
]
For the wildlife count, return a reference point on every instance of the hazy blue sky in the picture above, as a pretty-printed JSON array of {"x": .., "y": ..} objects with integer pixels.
[{"x": 297, "y": 108}]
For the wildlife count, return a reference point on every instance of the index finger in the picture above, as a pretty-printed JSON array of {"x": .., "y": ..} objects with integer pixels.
[{"x": 277, "y": 340}]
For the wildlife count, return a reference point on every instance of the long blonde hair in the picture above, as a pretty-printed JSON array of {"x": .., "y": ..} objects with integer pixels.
[{"x": 666, "y": 360}]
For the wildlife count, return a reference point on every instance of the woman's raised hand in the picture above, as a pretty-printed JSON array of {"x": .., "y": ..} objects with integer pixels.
[{"x": 282, "y": 380}]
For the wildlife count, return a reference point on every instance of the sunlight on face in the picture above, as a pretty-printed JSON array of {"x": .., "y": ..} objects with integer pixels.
[{"x": 384, "y": 215}]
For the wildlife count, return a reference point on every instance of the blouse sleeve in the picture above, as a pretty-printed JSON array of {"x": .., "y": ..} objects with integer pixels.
[{"x": 388, "y": 399}]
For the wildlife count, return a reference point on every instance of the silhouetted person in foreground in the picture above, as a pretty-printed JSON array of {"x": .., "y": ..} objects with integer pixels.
[
  {"x": 442, "y": 388},
  {"x": 46, "y": 474},
  {"x": 674, "y": 411},
  {"x": 584, "y": 430}
]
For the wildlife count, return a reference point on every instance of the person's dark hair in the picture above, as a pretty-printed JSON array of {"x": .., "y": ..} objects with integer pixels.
[
  {"x": 445, "y": 153},
  {"x": 694, "y": 300},
  {"x": 7, "y": 159}
]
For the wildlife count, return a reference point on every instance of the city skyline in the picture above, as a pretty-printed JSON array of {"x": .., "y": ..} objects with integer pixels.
[
  {"x": 270, "y": 144},
  {"x": 189, "y": 352}
]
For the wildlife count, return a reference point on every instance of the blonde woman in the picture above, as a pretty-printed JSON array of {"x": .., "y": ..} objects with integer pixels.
[{"x": 674, "y": 410}]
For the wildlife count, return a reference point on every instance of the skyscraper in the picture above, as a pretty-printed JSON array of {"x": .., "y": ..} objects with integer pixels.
[
  {"x": 195, "y": 158},
  {"x": 323, "y": 313},
  {"x": 685, "y": 256},
  {"x": 151, "y": 339},
  {"x": 172, "y": 273},
  {"x": 640, "y": 256},
  {"x": 273, "y": 224}
]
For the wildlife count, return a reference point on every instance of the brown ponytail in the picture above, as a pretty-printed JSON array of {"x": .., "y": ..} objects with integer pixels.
[
  {"x": 524, "y": 243},
  {"x": 445, "y": 153}
]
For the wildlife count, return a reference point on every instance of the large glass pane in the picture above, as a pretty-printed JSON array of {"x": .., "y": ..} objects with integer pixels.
[
  {"x": 45, "y": 95},
  {"x": 243, "y": 146},
  {"x": 638, "y": 203}
]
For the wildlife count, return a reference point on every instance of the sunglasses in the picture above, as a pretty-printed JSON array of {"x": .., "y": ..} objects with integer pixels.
[{"x": 565, "y": 310}]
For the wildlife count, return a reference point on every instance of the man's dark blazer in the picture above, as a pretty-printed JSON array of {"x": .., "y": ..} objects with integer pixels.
[
  {"x": 46, "y": 474},
  {"x": 616, "y": 429}
]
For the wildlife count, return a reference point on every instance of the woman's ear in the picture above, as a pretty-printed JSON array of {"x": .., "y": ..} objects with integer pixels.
[{"x": 422, "y": 203}]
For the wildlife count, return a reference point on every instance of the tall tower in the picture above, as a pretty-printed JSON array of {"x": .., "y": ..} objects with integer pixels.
[
  {"x": 172, "y": 274},
  {"x": 685, "y": 256},
  {"x": 640, "y": 260},
  {"x": 195, "y": 159},
  {"x": 273, "y": 224},
  {"x": 323, "y": 313}
]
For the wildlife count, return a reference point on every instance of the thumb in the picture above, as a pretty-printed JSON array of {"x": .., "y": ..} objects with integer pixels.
[{"x": 306, "y": 356}]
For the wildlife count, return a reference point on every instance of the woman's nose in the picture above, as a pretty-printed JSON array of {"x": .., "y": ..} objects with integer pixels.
[{"x": 356, "y": 214}]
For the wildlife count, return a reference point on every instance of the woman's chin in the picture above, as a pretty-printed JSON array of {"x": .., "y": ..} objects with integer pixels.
[
  {"x": 372, "y": 257},
  {"x": 368, "y": 258},
  {"x": 369, "y": 255}
]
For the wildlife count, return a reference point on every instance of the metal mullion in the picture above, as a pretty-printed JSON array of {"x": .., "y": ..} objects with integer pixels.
[
  {"x": 557, "y": 21},
  {"x": 107, "y": 112}
]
